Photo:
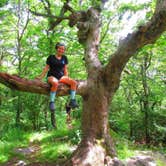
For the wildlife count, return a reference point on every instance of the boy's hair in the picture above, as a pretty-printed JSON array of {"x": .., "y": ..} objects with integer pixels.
[{"x": 59, "y": 44}]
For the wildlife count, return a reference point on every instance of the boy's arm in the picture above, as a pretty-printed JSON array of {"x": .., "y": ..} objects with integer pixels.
[
  {"x": 65, "y": 70},
  {"x": 45, "y": 70}
]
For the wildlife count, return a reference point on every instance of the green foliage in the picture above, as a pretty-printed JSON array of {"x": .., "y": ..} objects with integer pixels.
[
  {"x": 132, "y": 7},
  {"x": 11, "y": 138},
  {"x": 160, "y": 163},
  {"x": 3, "y": 3},
  {"x": 54, "y": 144},
  {"x": 124, "y": 150},
  {"x": 127, "y": 112},
  {"x": 53, "y": 151}
]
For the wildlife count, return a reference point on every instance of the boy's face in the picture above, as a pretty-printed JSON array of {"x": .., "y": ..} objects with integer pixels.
[{"x": 60, "y": 50}]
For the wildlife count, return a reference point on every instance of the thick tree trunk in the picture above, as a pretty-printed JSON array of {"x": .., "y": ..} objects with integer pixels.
[{"x": 96, "y": 142}]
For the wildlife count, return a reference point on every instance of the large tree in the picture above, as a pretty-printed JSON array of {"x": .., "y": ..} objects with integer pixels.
[{"x": 102, "y": 82}]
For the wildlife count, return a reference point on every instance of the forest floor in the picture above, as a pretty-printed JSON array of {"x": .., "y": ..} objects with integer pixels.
[
  {"x": 30, "y": 154},
  {"x": 159, "y": 158},
  {"x": 53, "y": 147},
  {"x": 27, "y": 156}
]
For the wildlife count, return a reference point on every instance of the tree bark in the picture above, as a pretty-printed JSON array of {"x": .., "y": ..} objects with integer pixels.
[
  {"x": 96, "y": 142},
  {"x": 37, "y": 86}
]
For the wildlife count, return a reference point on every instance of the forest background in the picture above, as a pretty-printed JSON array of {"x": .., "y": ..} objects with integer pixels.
[{"x": 137, "y": 113}]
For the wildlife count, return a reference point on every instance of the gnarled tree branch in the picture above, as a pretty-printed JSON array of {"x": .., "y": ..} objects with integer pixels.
[
  {"x": 146, "y": 34},
  {"x": 36, "y": 86},
  {"x": 58, "y": 19},
  {"x": 88, "y": 35}
]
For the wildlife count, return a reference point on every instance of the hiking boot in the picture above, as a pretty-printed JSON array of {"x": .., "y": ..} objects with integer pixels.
[
  {"x": 73, "y": 104},
  {"x": 52, "y": 106}
]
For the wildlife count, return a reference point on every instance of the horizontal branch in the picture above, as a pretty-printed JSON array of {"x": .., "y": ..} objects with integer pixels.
[{"x": 36, "y": 86}]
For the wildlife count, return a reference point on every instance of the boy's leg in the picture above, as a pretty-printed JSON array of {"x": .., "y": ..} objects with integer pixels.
[
  {"x": 54, "y": 84},
  {"x": 73, "y": 86}
]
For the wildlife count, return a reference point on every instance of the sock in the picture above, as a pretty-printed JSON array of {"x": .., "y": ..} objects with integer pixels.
[
  {"x": 52, "y": 96},
  {"x": 72, "y": 94}
]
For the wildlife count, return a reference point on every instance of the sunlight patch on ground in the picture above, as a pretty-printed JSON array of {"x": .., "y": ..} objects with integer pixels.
[
  {"x": 38, "y": 136},
  {"x": 3, "y": 158},
  {"x": 54, "y": 151}
]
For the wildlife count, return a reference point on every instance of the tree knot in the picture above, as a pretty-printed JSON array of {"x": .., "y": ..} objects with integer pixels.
[{"x": 76, "y": 17}]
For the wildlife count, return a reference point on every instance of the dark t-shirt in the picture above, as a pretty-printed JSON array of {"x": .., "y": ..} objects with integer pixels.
[{"x": 56, "y": 66}]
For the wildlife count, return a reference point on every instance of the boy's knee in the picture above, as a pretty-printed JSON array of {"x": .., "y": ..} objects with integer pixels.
[
  {"x": 55, "y": 84},
  {"x": 74, "y": 82}
]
